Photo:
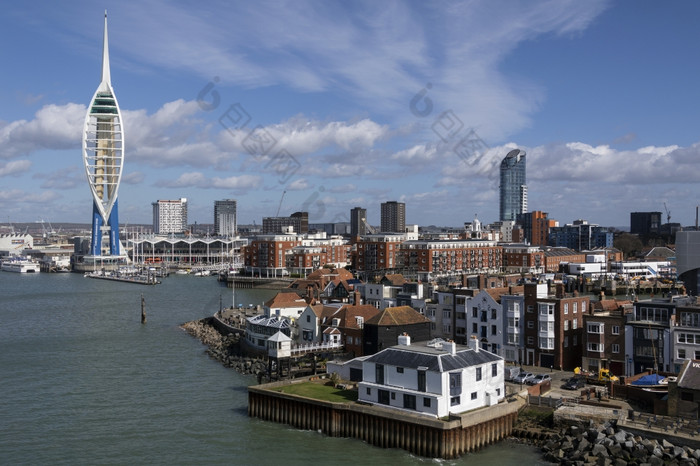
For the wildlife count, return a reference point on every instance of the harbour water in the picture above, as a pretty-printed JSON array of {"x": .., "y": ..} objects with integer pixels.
[{"x": 84, "y": 382}]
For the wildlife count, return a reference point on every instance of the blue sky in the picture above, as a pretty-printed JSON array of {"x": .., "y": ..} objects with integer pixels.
[{"x": 344, "y": 104}]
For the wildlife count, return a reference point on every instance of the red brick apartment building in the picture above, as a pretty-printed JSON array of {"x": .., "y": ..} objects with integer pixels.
[
  {"x": 378, "y": 253},
  {"x": 267, "y": 254},
  {"x": 440, "y": 258},
  {"x": 553, "y": 327},
  {"x": 604, "y": 337}
]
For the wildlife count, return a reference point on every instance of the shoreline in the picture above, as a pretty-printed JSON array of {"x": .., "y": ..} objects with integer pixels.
[{"x": 585, "y": 442}]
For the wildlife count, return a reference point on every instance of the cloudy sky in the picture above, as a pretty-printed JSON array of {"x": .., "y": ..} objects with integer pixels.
[{"x": 344, "y": 104}]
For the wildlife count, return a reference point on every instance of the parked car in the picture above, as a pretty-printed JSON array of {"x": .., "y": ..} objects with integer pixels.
[
  {"x": 539, "y": 378},
  {"x": 574, "y": 383},
  {"x": 523, "y": 377}
]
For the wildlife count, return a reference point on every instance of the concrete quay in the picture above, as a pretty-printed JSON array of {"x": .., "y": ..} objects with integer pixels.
[{"x": 386, "y": 427}]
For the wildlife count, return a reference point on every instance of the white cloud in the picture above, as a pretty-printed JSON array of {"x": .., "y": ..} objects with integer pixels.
[
  {"x": 53, "y": 127},
  {"x": 199, "y": 180},
  {"x": 15, "y": 167}
]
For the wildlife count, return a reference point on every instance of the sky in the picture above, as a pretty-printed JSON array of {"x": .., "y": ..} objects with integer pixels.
[{"x": 327, "y": 105}]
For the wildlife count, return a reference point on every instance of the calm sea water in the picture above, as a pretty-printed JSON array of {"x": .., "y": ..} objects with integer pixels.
[{"x": 82, "y": 381}]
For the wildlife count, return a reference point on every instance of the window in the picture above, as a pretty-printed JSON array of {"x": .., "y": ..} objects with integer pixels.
[
  {"x": 454, "y": 401},
  {"x": 474, "y": 312},
  {"x": 399, "y": 370},
  {"x": 531, "y": 308},
  {"x": 475, "y": 327},
  {"x": 530, "y": 341},
  {"x": 575, "y": 339},
  {"x": 455, "y": 383},
  {"x": 478, "y": 374},
  {"x": 583, "y": 307},
  {"x": 575, "y": 308},
  {"x": 595, "y": 327},
  {"x": 493, "y": 313},
  {"x": 681, "y": 353},
  {"x": 379, "y": 374},
  {"x": 426, "y": 402},
  {"x": 697, "y": 354},
  {"x": 493, "y": 330},
  {"x": 498, "y": 392},
  {"x": 615, "y": 329},
  {"x": 393, "y": 395},
  {"x": 494, "y": 369},
  {"x": 369, "y": 391},
  {"x": 566, "y": 308},
  {"x": 566, "y": 342},
  {"x": 595, "y": 347},
  {"x": 566, "y": 325},
  {"x": 308, "y": 318},
  {"x": 383, "y": 397},
  {"x": 530, "y": 324},
  {"x": 421, "y": 380},
  {"x": 574, "y": 324},
  {"x": 615, "y": 348},
  {"x": 409, "y": 401},
  {"x": 474, "y": 395}
]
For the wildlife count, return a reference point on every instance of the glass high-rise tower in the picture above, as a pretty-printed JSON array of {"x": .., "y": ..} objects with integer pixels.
[
  {"x": 103, "y": 158},
  {"x": 513, "y": 189}
]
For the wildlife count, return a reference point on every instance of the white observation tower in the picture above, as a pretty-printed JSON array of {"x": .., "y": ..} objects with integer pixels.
[{"x": 103, "y": 157}]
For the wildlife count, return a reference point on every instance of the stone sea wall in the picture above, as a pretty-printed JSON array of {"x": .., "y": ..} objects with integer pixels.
[
  {"x": 224, "y": 348},
  {"x": 608, "y": 445}
]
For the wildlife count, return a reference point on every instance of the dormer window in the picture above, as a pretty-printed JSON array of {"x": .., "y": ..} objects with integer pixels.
[{"x": 336, "y": 322}]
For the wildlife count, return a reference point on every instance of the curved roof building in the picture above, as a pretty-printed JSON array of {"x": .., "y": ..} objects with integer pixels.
[
  {"x": 103, "y": 158},
  {"x": 513, "y": 188}
]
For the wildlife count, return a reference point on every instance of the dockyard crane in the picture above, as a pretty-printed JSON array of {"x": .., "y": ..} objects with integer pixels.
[
  {"x": 280, "y": 206},
  {"x": 668, "y": 214}
]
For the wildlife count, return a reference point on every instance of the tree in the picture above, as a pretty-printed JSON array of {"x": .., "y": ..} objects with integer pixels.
[{"x": 629, "y": 244}]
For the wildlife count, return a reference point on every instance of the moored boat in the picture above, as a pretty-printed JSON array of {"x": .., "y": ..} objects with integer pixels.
[{"x": 20, "y": 265}]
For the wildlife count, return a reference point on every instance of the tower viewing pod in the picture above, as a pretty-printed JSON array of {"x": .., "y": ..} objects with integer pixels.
[{"x": 103, "y": 158}]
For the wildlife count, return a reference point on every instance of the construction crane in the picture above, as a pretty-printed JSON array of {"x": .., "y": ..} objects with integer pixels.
[
  {"x": 368, "y": 226},
  {"x": 280, "y": 206},
  {"x": 668, "y": 214}
]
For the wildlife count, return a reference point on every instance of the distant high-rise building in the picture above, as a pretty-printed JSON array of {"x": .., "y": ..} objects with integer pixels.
[
  {"x": 645, "y": 223},
  {"x": 170, "y": 216},
  {"x": 513, "y": 189},
  {"x": 536, "y": 226},
  {"x": 393, "y": 217},
  {"x": 358, "y": 222},
  {"x": 581, "y": 236},
  {"x": 225, "y": 217},
  {"x": 299, "y": 221}
]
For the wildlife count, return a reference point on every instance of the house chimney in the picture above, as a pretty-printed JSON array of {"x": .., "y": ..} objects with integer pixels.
[
  {"x": 452, "y": 347},
  {"x": 310, "y": 298},
  {"x": 559, "y": 290},
  {"x": 474, "y": 343},
  {"x": 405, "y": 339},
  {"x": 357, "y": 298}
]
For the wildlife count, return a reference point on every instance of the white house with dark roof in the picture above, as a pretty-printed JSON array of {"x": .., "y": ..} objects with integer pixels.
[{"x": 436, "y": 379}]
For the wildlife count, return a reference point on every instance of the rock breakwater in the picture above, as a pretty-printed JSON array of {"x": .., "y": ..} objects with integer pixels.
[
  {"x": 224, "y": 348},
  {"x": 609, "y": 445}
]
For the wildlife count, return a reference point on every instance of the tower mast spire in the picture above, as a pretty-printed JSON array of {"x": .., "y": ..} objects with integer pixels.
[{"x": 106, "y": 78}]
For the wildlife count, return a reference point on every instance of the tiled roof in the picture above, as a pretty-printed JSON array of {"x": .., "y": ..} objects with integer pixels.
[
  {"x": 347, "y": 315},
  {"x": 401, "y": 315},
  {"x": 317, "y": 309},
  {"x": 396, "y": 279},
  {"x": 285, "y": 299},
  {"x": 609, "y": 305},
  {"x": 433, "y": 359}
]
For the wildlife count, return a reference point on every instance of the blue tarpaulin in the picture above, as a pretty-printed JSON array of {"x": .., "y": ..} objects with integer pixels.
[{"x": 651, "y": 379}]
